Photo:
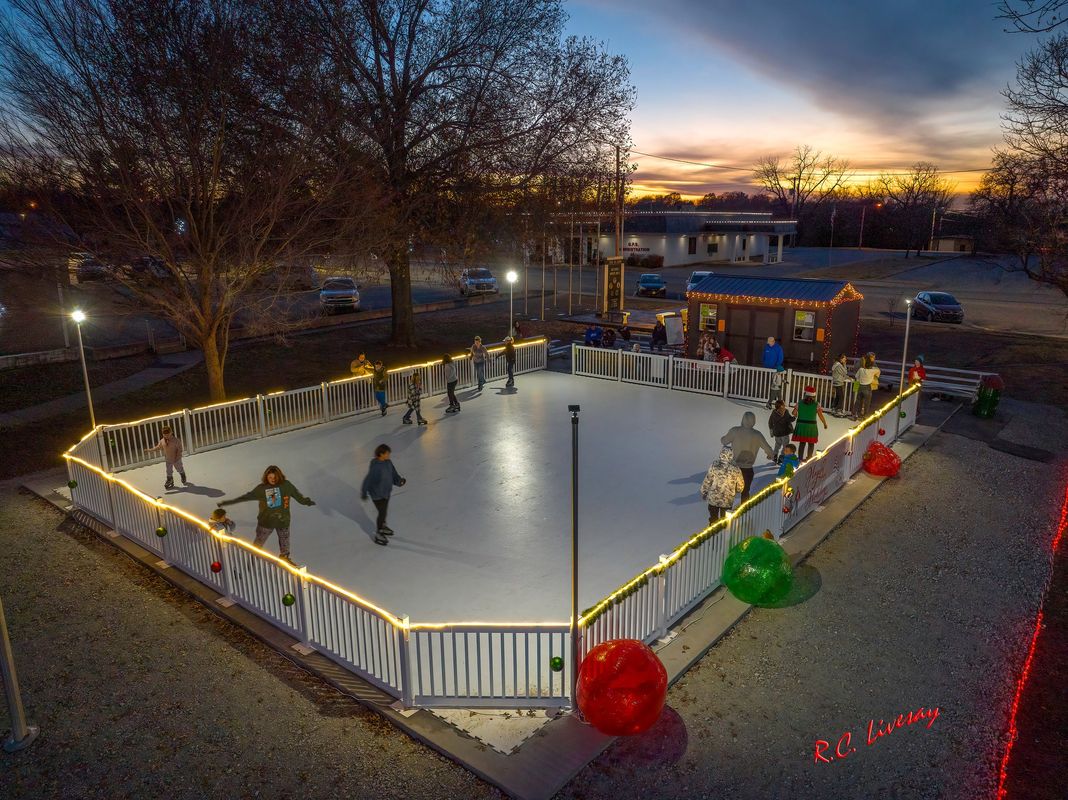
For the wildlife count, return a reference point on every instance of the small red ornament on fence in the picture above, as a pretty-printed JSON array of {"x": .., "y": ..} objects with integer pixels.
[{"x": 216, "y": 566}]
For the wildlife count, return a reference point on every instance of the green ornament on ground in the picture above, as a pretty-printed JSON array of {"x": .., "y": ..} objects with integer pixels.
[
  {"x": 71, "y": 484},
  {"x": 288, "y": 599},
  {"x": 556, "y": 664},
  {"x": 161, "y": 531},
  {"x": 758, "y": 571}
]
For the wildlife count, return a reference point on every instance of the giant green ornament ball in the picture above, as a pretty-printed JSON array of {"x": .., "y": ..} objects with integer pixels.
[
  {"x": 161, "y": 531},
  {"x": 72, "y": 483},
  {"x": 288, "y": 599},
  {"x": 758, "y": 571},
  {"x": 556, "y": 664}
]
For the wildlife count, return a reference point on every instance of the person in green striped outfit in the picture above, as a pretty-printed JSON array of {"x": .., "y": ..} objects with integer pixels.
[{"x": 806, "y": 431}]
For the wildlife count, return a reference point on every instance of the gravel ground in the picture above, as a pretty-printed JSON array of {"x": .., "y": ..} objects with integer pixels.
[
  {"x": 927, "y": 599},
  {"x": 140, "y": 692}
]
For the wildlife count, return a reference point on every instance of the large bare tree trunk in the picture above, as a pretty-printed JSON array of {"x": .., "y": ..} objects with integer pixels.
[
  {"x": 402, "y": 330},
  {"x": 213, "y": 363}
]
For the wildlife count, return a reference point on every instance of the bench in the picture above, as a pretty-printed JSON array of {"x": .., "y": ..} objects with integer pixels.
[{"x": 963, "y": 383}]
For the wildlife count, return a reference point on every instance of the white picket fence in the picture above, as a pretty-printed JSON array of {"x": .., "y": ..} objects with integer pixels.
[{"x": 433, "y": 665}]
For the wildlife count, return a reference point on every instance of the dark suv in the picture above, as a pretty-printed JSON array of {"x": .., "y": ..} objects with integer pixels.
[
  {"x": 937, "y": 307},
  {"x": 651, "y": 285}
]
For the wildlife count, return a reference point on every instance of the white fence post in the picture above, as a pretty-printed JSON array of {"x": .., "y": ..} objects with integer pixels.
[
  {"x": 574, "y": 353},
  {"x": 187, "y": 428},
  {"x": 661, "y": 600},
  {"x": 671, "y": 371},
  {"x": 227, "y": 566},
  {"x": 326, "y": 402},
  {"x": 261, "y": 416},
  {"x": 788, "y": 387},
  {"x": 305, "y": 610},
  {"x": 726, "y": 378},
  {"x": 619, "y": 365},
  {"x": 406, "y": 688}
]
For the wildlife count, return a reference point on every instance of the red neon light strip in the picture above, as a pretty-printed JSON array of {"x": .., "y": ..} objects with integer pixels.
[{"x": 1022, "y": 682}]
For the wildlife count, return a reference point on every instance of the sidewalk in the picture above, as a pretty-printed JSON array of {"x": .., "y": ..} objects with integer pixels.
[{"x": 166, "y": 367}]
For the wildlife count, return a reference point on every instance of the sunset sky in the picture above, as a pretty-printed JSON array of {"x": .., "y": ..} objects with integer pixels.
[{"x": 884, "y": 84}]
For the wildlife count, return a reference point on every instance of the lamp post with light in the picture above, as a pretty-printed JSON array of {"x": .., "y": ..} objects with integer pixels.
[
  {"x": 575, "y": 635},
  {"x": 904, "y": 357},
  {"x": 512, "y": 277},
  {"x": 79, "y": 317}
]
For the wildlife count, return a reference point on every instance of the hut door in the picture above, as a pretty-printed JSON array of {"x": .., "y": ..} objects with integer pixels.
[
  {"x": 738, "y": 336},
  {"x": 765, "y": 324}
]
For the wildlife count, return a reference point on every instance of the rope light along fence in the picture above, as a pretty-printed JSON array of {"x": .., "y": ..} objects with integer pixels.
[
  {"x": 647, "y": 605},
  {"x": 462, "y": 664}
]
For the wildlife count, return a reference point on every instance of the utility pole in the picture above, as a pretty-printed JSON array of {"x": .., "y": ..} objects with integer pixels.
[
  {"x": 619, "y": 207},
  {"x": 860, "y": 243},
  {"x": 930, "y": 245},
  {"x": 830, "y": 248}
]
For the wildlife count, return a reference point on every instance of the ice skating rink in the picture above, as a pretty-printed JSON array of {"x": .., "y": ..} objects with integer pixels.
[{"x": 483, "y": 525}]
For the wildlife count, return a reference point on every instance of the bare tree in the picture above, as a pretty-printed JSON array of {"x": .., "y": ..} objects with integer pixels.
[
  {"x": 804, "y": 180},
  {"x": 914, "y": 198},
  {"x": 1034, "y": 16},
  {"x": 169, "y": 129},
  {"x": 445, "y": 95}
]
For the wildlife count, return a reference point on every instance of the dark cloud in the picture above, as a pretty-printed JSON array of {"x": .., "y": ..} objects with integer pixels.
[{"x": 878, "y": 58}]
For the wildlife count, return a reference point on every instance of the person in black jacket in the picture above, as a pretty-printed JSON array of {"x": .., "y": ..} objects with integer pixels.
[
  {"x": 781, "y": 425},
  {"x": 273, "y": 495},
  {"x": 509, "y": 358},
  {"x": 378, "y": 484}
]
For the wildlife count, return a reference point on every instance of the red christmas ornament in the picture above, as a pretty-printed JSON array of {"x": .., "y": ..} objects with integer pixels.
[
  {"x": 882, "y": 431},
  {"x": 216, "y": 566},
  {"x": 621, "y": 687}
]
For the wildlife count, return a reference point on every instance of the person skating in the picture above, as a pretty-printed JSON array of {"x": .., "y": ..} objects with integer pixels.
[
  {"x": 378, "y": 484},
  {"x": 379, "y": 382},
  {"x": 479, "y": 355},
  {"x": 839, "y": 377},
  {"x": 721, "y": 485},
  {"x": 865, "y": 376},
  {"x": 451, "y": 380},
  {"x": 273, "y": 495},
  {"x": 360, "y": 366},
  {"x": 773, "y": 359},
  {"x": 778, "y": 387},
  {"x": 781, "y": 425},
  {"x": 658, "y": 341},
  {"x": 171, "y": 446},
  {"x": 415, "y": 392},
  {"x": 509, "y": 360},
  {"x": 745, "y": 439},
  {"x": 220, "y": 523},
  {"x": 917, "y": 372},
  {"x": 806, "y": 431},
  {"x": 789, "y": 462}
]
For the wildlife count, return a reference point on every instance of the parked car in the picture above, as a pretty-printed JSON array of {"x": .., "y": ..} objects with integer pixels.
[
  {"x": 651, "y": 285},
  {"x": 937, "y": 307},
  {"x": 86, "y": 267},
  {"x": 478, "y": 281},
  {"x": 148, "y": 266},
  {"x": 695, "y": 278},
  {"x": 339, "y": 294}
]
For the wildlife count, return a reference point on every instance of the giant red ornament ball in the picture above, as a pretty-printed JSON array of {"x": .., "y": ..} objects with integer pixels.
[{"x": 621, "y": 687}]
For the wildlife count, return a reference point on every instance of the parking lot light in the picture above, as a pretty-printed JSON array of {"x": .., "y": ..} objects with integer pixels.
[
  {"x": 904, "y": 355},
  {"x": 512, "y": 277},
  {"x": 79, "y": 317}
]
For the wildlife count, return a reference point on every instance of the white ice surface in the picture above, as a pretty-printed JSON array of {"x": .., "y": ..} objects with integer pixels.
[{"x": 484, "y": 522}]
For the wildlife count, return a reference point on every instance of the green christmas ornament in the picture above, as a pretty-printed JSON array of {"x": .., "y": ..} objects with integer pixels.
[
  {"x": 758, "y": 571},
  {"x": 161, "y": 531},
  {"x": 556, "y": 664},
  {"x": 288, "y": 599},
  {"x": 71, "y": 484},
  {"x": 902, "y": 415}
]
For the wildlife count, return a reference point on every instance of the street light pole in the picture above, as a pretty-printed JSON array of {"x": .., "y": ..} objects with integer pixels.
[
  {"x": 79, "y": 317},
  {"x": 21, "y": 733},
  {"x": 574, "y": 409},
  {"x": 512, "y": 278},
  {"x": 904, "y": 356}
]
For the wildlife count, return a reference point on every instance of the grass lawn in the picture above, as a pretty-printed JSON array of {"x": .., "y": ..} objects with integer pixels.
[
  {"x": 28, "y": 386},
  {"x": 875, "y": 270}
]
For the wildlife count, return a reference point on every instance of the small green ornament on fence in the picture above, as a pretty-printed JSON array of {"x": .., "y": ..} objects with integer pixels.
[
  {"x": 161, "y": 531},
  {"x": 288, "y": 599},
  {"x": 556, "y": 664},
  {"x": 72, "y": 484},
  {"x": 902, "y": 415}
]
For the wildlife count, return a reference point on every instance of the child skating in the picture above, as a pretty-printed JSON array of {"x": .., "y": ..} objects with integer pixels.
[
  {"x": 415, "y": 392},
  {"x": 451, "y": 379},
  {"x": 171, "y": 446},
  {"x": 379, "y": 382},
  {"x": 378, "y": 484},
  {"x": 273, "y": 495},
  {"x": 220, "y": 523}
]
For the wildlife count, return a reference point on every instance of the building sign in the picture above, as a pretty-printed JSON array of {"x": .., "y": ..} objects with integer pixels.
[
  {"x": 613, "y": 284},
  {"x": 634, "y": 247}
]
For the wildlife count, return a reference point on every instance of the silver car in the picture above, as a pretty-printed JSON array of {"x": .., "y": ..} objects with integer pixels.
[
  {"x": 478, "y": 281},
  {"x": 937, "y": 307},
  {"x": 339, "y": 294}
]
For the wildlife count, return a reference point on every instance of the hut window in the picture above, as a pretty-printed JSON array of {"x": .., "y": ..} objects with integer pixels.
[
  {"x": 708, "y": 316},
  {"x": 804, "y": 326}
]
